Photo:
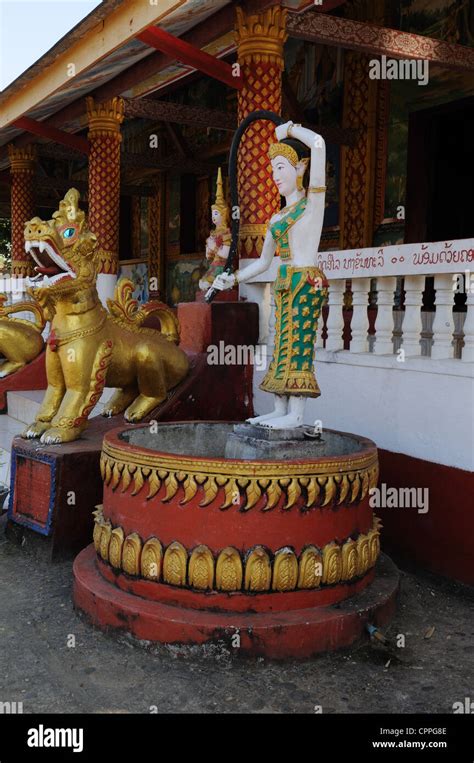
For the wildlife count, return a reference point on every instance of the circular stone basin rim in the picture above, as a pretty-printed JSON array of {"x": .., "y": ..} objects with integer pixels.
[{"x": 120, "y": 438}]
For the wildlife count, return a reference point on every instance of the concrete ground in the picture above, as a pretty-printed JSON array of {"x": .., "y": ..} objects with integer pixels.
[{"x": 53, "y": 661}]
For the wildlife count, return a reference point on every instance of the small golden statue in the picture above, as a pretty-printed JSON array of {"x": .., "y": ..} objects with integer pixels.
[{"x": 218, "y": 242}]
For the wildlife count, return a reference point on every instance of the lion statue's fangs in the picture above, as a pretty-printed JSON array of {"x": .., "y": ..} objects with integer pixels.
[{"x": 89, "y": 348}]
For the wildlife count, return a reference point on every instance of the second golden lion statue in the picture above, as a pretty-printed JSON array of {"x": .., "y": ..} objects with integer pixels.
[{"x": 89, "y": 348}]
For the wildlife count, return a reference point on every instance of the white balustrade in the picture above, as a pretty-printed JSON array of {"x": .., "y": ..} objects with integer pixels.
[
  {"x": 436, "y": 331},
  {"x": 443, "y": 324},
  {"x": 468, "y": 327},
  {"x": 412, "y": 324},
  {"x": 360, "y": 320},
  {"x": 384, "y": 321},
  {"x": 335, "y": 322}
]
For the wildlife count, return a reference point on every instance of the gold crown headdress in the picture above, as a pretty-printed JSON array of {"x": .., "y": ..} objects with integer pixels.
[
  {"x": 283, "y": 149},
  {"x": 69, "y": 211},
  {"x": 220, "y": 202}
]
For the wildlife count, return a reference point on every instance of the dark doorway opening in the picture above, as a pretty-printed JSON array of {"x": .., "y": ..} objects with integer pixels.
[{"x": 440, "y": 173}]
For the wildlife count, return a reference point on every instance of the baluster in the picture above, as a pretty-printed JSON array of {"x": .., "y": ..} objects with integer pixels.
[
  {"x": 335, "y": 322},
  {"x": 443, "y": 325},
  {"x": 384, "y": 320},
  {"x": 360, "y": 319},
  {"x": 412, "y": 325},
  {"x": 468, "y": 327}
]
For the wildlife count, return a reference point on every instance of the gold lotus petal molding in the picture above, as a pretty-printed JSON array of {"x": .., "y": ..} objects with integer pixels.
[{"x": 258, "y": 570}]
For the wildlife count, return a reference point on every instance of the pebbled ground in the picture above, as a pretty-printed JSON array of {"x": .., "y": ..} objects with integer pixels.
[{"x": 101, "y": 674}]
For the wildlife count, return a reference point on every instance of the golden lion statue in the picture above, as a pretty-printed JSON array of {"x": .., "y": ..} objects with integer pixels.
[
  {"x": 20, "y": 340},
  {"x": 89, "y": 348}
]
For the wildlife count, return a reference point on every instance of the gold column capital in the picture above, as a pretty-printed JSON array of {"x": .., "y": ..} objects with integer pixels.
[
  {"x": 22, "y": 159},
  {"x": 261, "y": 36},
  {"x": 105, "y": 118}
]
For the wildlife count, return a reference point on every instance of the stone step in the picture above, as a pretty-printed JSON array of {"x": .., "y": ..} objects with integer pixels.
[
  {"x": 24, "y": 405},
  {"x": 9, "y": 427}
]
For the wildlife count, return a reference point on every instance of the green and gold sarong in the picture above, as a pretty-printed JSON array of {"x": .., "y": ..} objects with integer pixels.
[{"x": 300, "y": 293}]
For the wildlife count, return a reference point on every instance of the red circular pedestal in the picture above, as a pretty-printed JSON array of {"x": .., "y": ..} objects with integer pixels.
[
  {"x": 194, "y": 547},
  {"x": 298, "y": 633}
]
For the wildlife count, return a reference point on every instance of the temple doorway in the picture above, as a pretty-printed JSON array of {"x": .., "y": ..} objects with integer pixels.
[{"x": 440, "y": 191}]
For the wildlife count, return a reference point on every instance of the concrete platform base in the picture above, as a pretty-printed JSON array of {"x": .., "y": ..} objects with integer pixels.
[{"x": 277, "y": 635}]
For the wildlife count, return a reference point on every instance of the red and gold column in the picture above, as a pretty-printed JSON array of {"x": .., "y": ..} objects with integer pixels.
[
  {"x": 155, "y": 276},
  {"x": 358, "y": 160},
  {"x": 260, "y": 40},
  {"x": 22, "y": 169},
  {"x": 104, "y": 180},
  {"x": 363, "y": 165}
]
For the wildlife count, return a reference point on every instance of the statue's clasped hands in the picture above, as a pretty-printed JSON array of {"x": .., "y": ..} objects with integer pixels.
[{"x": 223, "y": 281}]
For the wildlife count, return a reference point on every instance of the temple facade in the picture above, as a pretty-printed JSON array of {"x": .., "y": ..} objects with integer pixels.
[{"x": 143, "y": 121}]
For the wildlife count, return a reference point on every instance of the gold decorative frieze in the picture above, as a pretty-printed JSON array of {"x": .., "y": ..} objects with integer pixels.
[
  {"x": 346, "y": 480},
  {"x": 258, "y": 570}
]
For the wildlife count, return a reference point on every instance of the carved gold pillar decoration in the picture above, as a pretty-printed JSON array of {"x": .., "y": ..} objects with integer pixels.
[
  {"x": 260, "y": 40},
  {"x": 22, "y": 169},
  {"x": 155, "y": 219},
  {"x": 104, "y": 177}
]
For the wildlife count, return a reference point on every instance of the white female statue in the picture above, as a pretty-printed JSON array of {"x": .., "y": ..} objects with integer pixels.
[{"x": 300, "y": 288}]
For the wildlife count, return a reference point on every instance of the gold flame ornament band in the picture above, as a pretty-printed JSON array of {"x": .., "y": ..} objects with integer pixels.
[{"x": 283, "y": 149}]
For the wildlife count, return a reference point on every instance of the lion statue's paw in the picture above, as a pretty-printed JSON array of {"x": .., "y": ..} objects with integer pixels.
[
  {"x": 55, "y": 435},
  {"x": 35, "y": 430}
]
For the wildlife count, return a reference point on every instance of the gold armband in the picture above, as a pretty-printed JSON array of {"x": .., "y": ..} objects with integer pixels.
[
  {"x": 317, "y": 188},
  {"x": 236, "y": 276}
]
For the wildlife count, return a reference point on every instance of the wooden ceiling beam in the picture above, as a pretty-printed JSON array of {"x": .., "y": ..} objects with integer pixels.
[
  {"x": 378, "y": 40},
  {"x": 52, "y": 133},
  {"x": 191, "y": 55},
  {"x": 201, "y": 35},
  {"x": 165, "y": 111}
]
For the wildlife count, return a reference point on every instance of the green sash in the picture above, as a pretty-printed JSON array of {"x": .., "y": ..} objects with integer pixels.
[{"x": 280, "y": 228}]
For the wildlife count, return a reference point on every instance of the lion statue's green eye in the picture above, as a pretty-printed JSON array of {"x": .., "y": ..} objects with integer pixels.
[{"x": 69, "y": 232}]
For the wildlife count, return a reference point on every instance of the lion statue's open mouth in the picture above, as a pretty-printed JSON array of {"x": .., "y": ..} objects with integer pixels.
[{"x": 50, "y": 266}]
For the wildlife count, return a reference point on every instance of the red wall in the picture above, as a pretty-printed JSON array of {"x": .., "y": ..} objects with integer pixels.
[{"x": 442, "y": 540}]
